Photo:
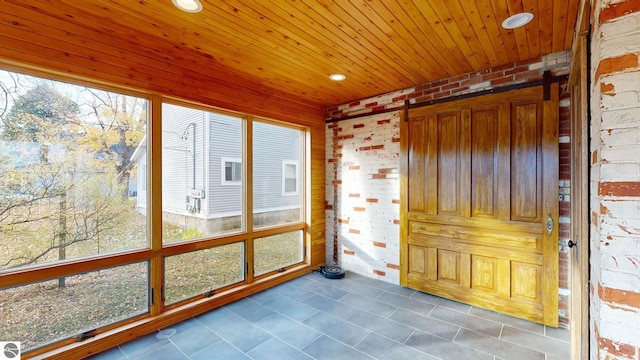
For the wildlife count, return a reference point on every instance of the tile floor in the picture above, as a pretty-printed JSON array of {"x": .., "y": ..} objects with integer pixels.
[{"x": 353, "y": 318}]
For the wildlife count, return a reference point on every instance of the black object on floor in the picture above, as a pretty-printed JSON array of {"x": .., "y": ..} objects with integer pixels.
[{"x": 332, "y": 272}]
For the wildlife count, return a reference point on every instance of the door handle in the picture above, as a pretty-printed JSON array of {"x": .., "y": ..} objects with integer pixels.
[{"x": 550, "y": 224}]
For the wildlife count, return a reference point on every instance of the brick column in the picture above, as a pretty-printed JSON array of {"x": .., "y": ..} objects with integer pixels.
[{"x": 615, "y": 181}]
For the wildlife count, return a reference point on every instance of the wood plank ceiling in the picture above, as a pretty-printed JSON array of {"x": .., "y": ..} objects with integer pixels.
[{"x": 291, "y": 46}]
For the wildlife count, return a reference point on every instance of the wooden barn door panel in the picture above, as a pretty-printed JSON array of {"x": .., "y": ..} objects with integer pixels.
[{"x": 481, "y": 181}]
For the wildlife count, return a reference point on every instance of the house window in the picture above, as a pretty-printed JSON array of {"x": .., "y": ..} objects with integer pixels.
[
  {"x": 231, "y": 171},
  {"x": 289, "y": 178}
]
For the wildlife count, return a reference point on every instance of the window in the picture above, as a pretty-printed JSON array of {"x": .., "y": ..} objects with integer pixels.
[
  {"x": 52, "y": 310},
  {"x": 276, "y": 154},
  {"x": 65, "y": 172},
  {"x": 67, "y": 192},
  {"x": 76, "y": 188},
  {"x": 289, "y": 178},
  {"x": 277, "y": 251},
  {"x": 231, "y": 171},
  {"x": 202, "y": 192},
  {"x": 198, "y": 272}
]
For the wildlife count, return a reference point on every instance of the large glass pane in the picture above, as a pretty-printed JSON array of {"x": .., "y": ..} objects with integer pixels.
[
  {"x": 277, "y": 155},
  {"x": 191, "y": 274},
  {"x": 201, "y": 173},
  {"x": 45, "y": 312},
  {"x": 69, "y": 170},
  {"x": 277, "y": 251}
]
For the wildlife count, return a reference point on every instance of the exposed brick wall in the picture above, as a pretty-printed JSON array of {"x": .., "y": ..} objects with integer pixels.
[
  {"x": 615, "y": 181},
  {"x": 564, "y": 211},
  {"x": 362, "y": 163},
  {"x": 363, "y": 195},
  {"x": 509, "y": 74}
]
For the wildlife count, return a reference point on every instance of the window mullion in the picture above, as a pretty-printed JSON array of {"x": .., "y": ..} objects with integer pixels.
[
  {"x": 154, "y": 202},
  {"x": 248, "y": 197}
]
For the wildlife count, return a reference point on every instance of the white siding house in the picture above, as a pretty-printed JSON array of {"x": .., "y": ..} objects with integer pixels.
[{"x": 203, "y": 170}]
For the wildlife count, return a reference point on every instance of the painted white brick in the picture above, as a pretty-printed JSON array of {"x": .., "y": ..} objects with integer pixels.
[
  {"x": 620, "y": 280},
  {"x": 622, "y": 100},
  {"x": 560, "y": 57},
  {"x": 619, "y": 137},
  {"x": 537, "y": 66},
  {"x": 622, "y": 255},
  {"x": 623, "y": 82},
  {"x": 622, "y": 154},
  {"x": 622, "y": 209},
  {"x": 620, "y": 35},
  {"x": 564, "y": 140},
  {"x": 480, "y": 86},
  {"x": 618, "y": 172},
  {"x": 564, "y": 190},
  {"x": 612, "y": 328},
  {"x": 610, "y": 226}
]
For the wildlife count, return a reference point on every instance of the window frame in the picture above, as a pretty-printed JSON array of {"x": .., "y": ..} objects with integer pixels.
[
  {"x": 155, "y": 251},
  {"x": 223, "y": 172},
  {"x": 296, "y": 164}
]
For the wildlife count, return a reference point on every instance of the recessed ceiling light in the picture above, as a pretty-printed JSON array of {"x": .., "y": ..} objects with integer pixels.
[
  {"x": 337, "y": 77},
  {"x": 192, "y": 6},
  {"x": 517, "y": 20}
]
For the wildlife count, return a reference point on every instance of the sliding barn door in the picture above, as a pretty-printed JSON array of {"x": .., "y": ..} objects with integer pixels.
[{"x": 480, "y": 202}]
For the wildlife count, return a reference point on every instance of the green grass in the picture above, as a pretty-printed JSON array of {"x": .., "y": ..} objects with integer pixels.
[{"x": 41, "y": 313}]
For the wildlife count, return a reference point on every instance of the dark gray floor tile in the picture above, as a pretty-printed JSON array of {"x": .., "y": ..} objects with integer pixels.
[
  {"x": 325, "y": 290},
  {"x": 325, "y": 348},
  {"x": 220, "y": 350},
  {"x": 299, "y": 281},
  {"x": 249, "y": 309},
  {"x": 327, "y": 318},
  {"x": 382, "y": 348},
  {"x": 330, "y": 306},
  {"x": 406, "y": 303},
  {"x": 427, "y": 324},
  {"x": 389, "y": 328},
  {"x": 467, "y": 321},
  {"x": 264, "y": 296},
  {"x": 166, "y": 352},
  {"x": 437, "y": 300},
  {"x": 559, "y": 334},
  {"x": 355, "y": 287},
  {"x": 553, "y": 357},
  {"x": 142, "y": 345},
  {"x": 193, "y": 336},
  {"x": 368, "y": 304},
  {"x": 291, "y": 308},
  {"x": 536, "y": 342},
  {"x": 497, "y": 347},
  {"x": 336, "y": 328},
  {"x": 291, "y": 331},
  {"x": 389, "y": 287},
  {"x": 275, "y": 349},
  {"x": 443, "y": 348},
  {"x": 236, "y": 330},
  {"x": 293, "y": 292},
  {"x": 508, "y": 320},
  {"x": 111, "y": 354}
]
